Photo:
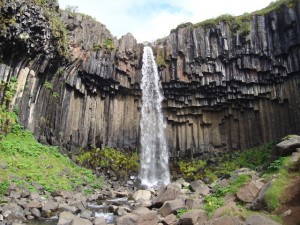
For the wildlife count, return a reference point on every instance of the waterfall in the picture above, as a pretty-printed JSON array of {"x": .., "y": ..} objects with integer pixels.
[{"x": 154, "y": 151}]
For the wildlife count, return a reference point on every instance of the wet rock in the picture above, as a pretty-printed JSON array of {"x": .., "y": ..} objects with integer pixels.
[
  {"x": 193, "y": 217},
  {"x": 257, "y": 219}
]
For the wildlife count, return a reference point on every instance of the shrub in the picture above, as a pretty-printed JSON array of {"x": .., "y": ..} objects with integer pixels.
[{"x": 119, "y": 161}]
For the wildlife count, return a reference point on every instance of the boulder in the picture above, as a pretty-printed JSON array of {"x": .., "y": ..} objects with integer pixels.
[
  {"x": 224, "y": 220},
  {"x": 80, "y": 221},
  {"x": 50, "y": 205},
  {"x": 13, "y": 212},
  {"x": 170, "y": 220},
  {"x": 36, "y": 213},
  {"x": 146, "y": 216},
  {"x": 288, "y": 146},
  {"x": 34, "y": 204},
  {"x": 170, "y": 192},
  {"x": 226, "y": 209},
  {"x": 250, "y": 191},
  {"x": 193, "y": 217},
  {"x": 87, "y": 214},
  {"x": 65, "y": 218},
  {"x": 129, "y": 219},
  {"x": 171, "y": 207},
  {"x": 257, "y": 219},
  {"x": 200, "y": 187},
  {"x": 68, "y": 208},
  {"x": 193, "y": 203},
  {"x": 142, "y": 194},
  {"x": 100, "y": 221}
]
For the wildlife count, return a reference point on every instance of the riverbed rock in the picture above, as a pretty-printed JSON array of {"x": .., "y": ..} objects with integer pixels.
[
  {"x": 36, "y": 213},
  {"x": 80, "y": 221},
  {"x": 193, "y": 217},
  {"x": 65, "y": 218},
  {"x": 100, "y": 221},
  {"x": 13, "y": 212}
]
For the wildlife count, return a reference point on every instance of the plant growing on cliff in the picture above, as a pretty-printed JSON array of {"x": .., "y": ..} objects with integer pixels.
[{"x": 108, "y": 44}]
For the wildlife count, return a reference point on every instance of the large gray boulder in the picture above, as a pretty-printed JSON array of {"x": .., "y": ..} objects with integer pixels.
[
  {"x": 170, "y": 192},
  {"x": 200, "y": 187},
  {"x": 288, "y": 146},
  {"x": 193, "y": 217},
  {"x": 146, "y": 216},
  {"x": 171, "y": 207},
  {"x": 250, "y": 191}
]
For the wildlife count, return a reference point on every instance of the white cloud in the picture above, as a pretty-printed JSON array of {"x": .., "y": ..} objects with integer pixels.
[{"x": 148, "y": 20}]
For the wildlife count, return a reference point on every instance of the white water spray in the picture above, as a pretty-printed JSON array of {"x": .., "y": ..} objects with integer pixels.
[{"x": 154, "y": 151}]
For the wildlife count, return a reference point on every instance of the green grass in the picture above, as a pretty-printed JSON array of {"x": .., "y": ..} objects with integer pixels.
[
  {"x": 274, "y": 194},
  {"x": 28, "y": 161}
]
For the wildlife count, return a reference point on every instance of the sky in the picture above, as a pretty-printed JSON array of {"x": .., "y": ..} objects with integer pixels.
[{"x": 149, "y": 20}]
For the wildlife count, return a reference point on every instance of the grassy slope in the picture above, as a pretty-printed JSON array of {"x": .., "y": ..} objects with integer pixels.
[{"x": 28, "y": 161}]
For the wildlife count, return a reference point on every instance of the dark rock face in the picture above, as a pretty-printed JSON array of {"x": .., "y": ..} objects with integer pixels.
[{"x": 223, "y": 91}]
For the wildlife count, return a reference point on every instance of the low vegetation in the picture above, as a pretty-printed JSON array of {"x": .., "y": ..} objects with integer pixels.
[
  {"x": 118, "y": 161},
  {"x": 223, "y": 166}
]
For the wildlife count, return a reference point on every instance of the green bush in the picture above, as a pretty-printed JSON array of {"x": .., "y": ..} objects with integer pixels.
[
  {"x": 119, "y": 161},
  {"x": 212, "y": 203}
]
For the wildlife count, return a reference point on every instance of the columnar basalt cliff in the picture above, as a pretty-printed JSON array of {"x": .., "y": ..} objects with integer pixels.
[{"x": 223, "y": 90}]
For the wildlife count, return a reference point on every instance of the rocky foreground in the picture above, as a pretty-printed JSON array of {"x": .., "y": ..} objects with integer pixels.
[{"x": 179, "y": 203}]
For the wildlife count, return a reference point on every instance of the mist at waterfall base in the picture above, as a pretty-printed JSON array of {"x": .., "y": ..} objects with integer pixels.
[{"x": 154, "y": 151}]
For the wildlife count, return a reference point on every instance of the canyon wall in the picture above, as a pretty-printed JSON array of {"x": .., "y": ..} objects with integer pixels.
[{"x": 223, "y": 90}]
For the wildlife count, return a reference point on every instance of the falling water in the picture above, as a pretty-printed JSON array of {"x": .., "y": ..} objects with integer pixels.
[{"x": 154, "y": 151}]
